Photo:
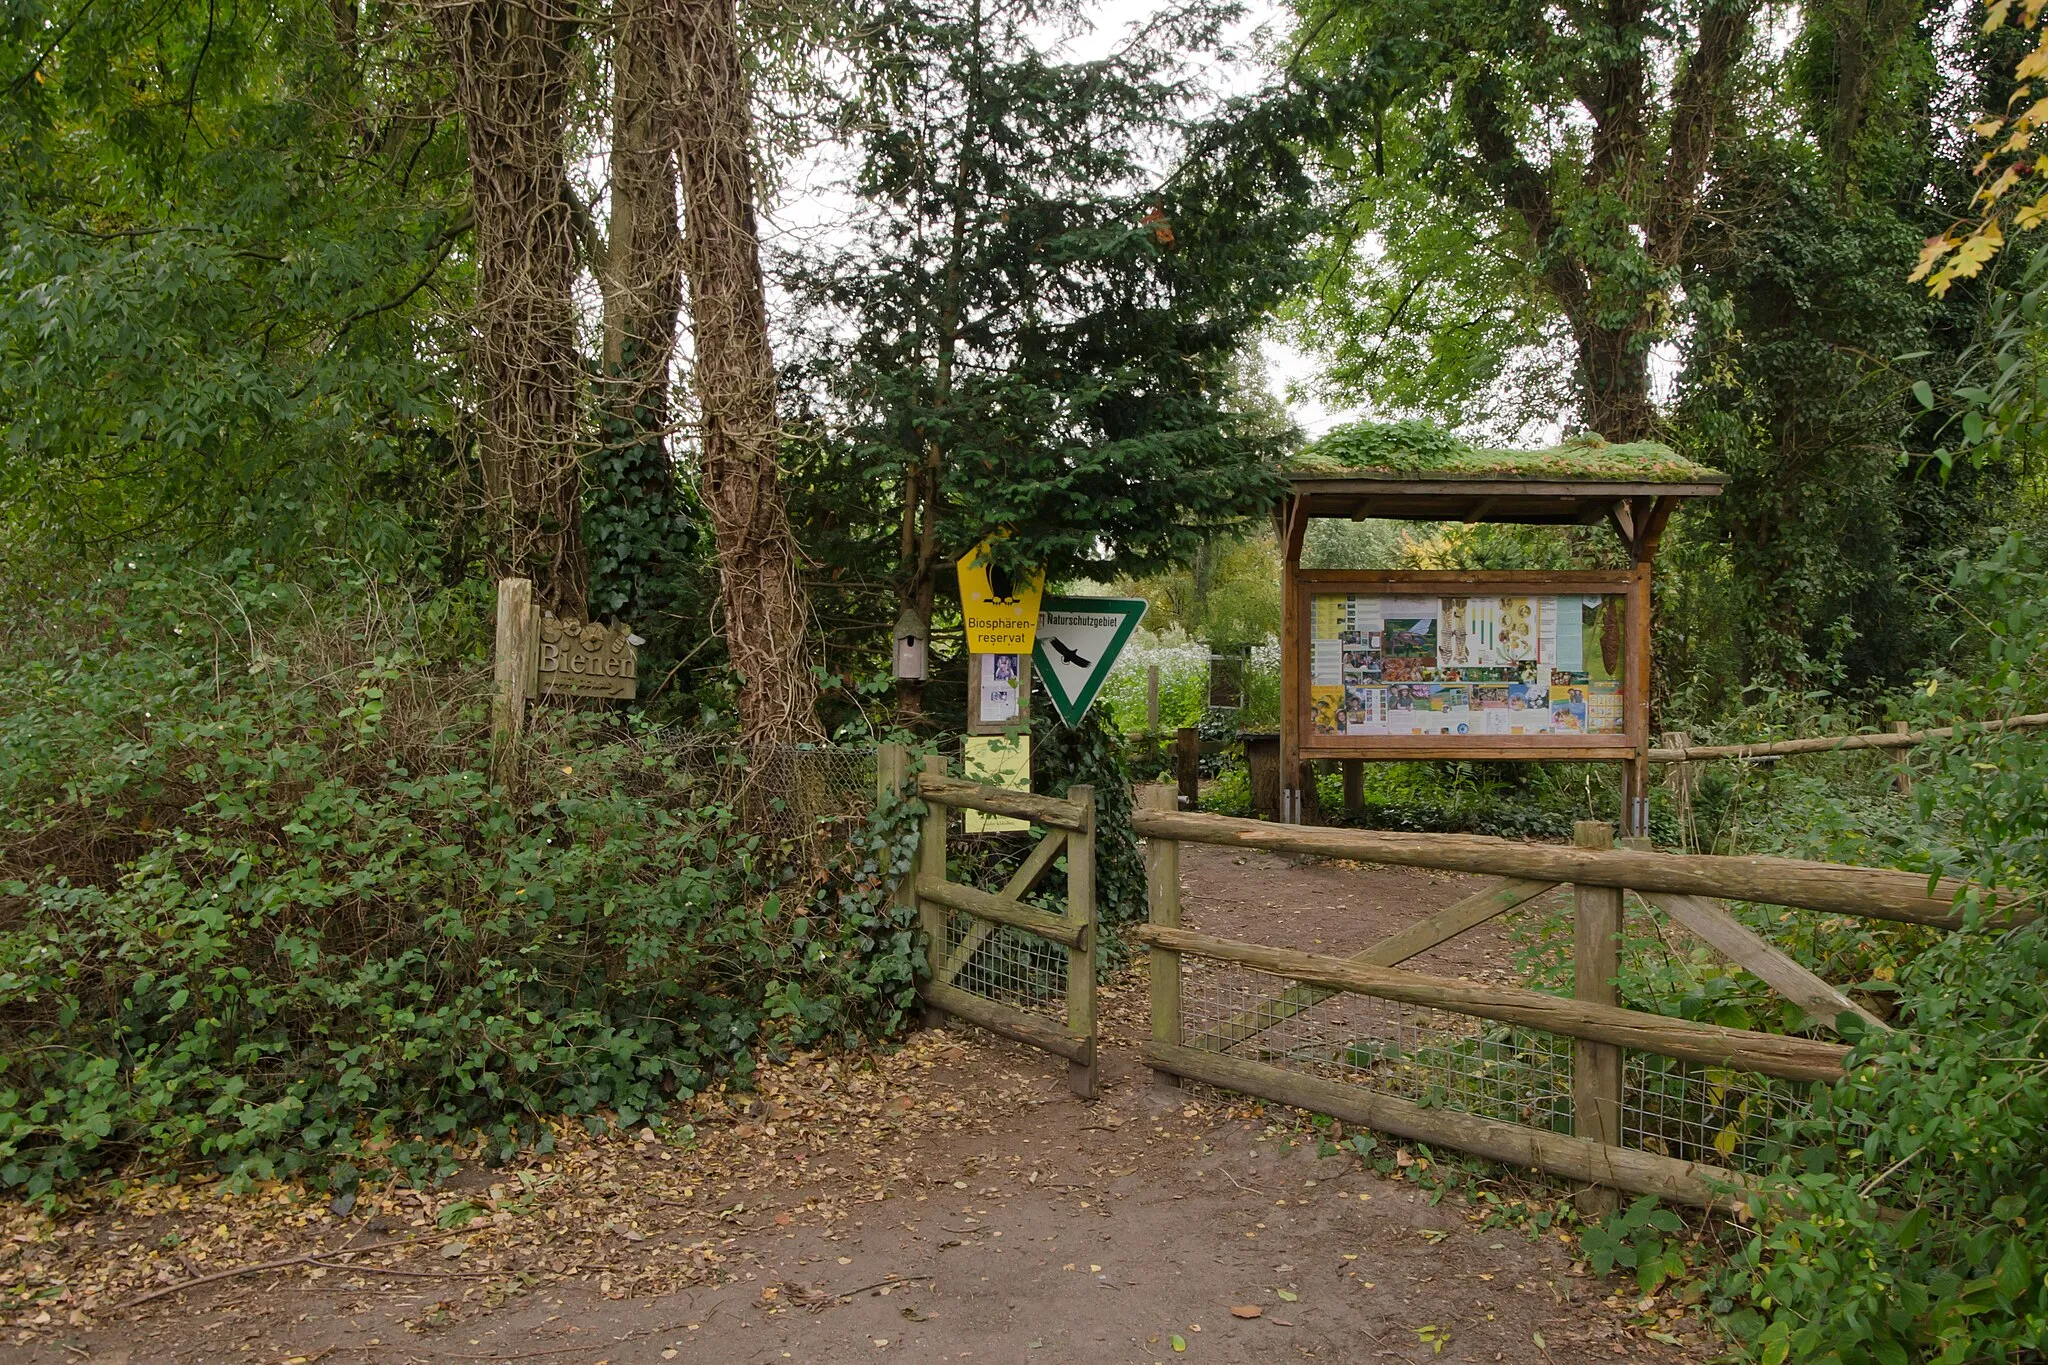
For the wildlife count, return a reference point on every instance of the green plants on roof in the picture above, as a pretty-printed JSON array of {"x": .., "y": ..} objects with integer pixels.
[{"x": 1417, "y": 447}]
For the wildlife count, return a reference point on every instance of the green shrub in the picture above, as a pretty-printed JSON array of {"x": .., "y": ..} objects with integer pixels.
[
  {"x": 1940, "y": 1121},
  {"x": 261, "y": 908}
]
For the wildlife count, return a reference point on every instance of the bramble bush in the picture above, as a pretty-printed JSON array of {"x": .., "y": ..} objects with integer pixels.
[{"x": 262, "y": 911}]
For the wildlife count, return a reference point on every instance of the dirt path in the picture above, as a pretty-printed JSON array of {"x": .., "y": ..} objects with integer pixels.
[{"x": 954, "y": 1203}]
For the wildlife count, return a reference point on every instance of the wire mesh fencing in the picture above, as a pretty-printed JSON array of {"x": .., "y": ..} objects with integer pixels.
[
  {"x": 789, "y": 792},
  {"x": 1007, "y": 965},
  {"x": 1445, "y": 1060}
]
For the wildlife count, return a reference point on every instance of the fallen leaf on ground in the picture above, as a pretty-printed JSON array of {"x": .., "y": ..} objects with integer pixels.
[{"x": 1247, "y": 1310}]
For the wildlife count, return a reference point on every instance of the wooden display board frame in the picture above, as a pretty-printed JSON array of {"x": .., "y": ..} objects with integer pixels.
[
  {"x": 1637, "y": 510},
  {"x": 1631, "y": 586}
]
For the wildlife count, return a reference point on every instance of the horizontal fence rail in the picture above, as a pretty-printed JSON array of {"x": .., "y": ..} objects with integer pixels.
[
  {"x": 1873, "y": 893},
  {"x": 1039, "y": 810},
  {"x": 1825, "y": 744},
  {"x": 1512, "y": 1144},
  {"x": 1772, "y": 1054}
]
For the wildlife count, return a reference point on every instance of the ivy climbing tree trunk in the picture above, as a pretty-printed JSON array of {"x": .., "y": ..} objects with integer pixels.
[
  {"x": 511, "y": 60},
  {"x": 766, "y": 613},
  {"x": 633, "y": 517}
]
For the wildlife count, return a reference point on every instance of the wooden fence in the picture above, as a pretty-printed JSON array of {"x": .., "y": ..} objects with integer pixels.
[
  {"x": 1601, "y": 1030},
  {"x": 1069, "y": 826}
]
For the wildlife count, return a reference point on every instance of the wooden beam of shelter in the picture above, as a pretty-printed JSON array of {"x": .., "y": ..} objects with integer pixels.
[
  {"x": 1874, "y": 893},
  {"x": 1512, "y": 1144},
  {"x": 1039, "y": 810},
  {"x": 1796, "y": 1059},
  {"x": 1741, "y": 945},
  {"x": 1420, "y": 937}
]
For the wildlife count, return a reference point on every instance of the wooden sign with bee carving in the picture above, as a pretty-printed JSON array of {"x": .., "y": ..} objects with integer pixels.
[{"x": 587, "y": 659}]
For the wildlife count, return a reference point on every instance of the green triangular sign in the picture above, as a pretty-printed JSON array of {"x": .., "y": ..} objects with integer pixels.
[{"x": 1079, "y": 639}]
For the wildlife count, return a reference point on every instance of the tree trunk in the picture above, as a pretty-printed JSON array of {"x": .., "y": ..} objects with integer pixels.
[
  {"x": 512, "y": 72},
  {"x": 766, "y": 614}
]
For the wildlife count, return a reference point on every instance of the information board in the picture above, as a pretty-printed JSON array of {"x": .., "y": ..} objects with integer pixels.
[{"x": 1390, "y": 661}]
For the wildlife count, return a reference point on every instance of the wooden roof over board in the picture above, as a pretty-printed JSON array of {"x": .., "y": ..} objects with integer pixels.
[
  {"x": 1411, "y": 471},
  {"x": 1422, "y": 495}
]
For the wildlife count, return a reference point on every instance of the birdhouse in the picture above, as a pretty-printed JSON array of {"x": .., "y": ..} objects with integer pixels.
[{"x": 912, "y": 648}]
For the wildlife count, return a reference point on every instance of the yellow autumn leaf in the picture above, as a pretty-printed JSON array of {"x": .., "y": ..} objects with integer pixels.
[
  {"x": 2034, "y": 64},
  {"x": 1930, "y": 255},
  {"x": 1994, "y": 17},
  {"x": 2032, "y": 12},
  {"x": 1969, "y": 258},
  {"x": 2033, "y": 215},
  {"x": 1993, "y": 192},
  {"x": 1725, "y": 1140},
  {"x": 1987, "y": 127}
]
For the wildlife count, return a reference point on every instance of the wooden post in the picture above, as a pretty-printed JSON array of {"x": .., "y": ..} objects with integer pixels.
[
  {"x": 515, "y": 658},
  {"x": 1635, "y": 691},
  {"x": 1187, "y": 766},
  {"x": 1082, "y": 1076},
  {"x": 931, "y": 862},
  {"x": 1596, "y": 962},
  {"x": 1162, "y": 906},
  {"x": 1152, "y": 700},
  {"x": 1354, "y": 787},
  {"x": 1678, "y": 776},
  {"x": 892, "y": 774},
  {"x": 1902, "y": 781}
]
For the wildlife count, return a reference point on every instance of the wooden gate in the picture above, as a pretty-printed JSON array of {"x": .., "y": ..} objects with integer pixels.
[
  {"x": 1578, "y": 1086},
  {"x": 964, "y": 925}
]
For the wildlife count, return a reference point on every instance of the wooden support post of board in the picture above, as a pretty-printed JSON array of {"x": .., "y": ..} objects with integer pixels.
[
  {"x": 1162, "y": 906},
  {"x": 1082, "y": 1076},
  {"x": 512, "y": 670},
  {"x": 931, "y": 862},
  {"x": 1596, "y": 1067},
  {"x": 1902, "y": 781},
  {"x": 1678, "y": 777},
  {"x": 1187, "y": 766},
  {"x": 1354, "y": 787}
]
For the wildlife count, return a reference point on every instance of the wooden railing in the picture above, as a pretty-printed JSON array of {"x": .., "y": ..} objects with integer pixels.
[
  {"x": 1070, "y": 830},
  {"x": 1601, "y": 1029}
]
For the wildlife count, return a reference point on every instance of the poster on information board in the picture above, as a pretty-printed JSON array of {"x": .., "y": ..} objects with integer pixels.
[{"x": 1475, "y": 666}]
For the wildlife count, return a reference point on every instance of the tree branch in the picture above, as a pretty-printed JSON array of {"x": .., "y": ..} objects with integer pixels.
[{"x": 1696, "y": 104}]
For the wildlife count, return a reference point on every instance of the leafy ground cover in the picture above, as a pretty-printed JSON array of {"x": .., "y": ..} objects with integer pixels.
[{"x": 264, "y": 913}]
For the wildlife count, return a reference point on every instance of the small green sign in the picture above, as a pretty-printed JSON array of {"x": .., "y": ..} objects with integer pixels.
[{"x": 1078, "y": 641}]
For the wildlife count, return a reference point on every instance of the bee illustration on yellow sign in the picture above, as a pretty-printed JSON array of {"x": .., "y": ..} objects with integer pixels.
[{"x": 1001, "y": 614}]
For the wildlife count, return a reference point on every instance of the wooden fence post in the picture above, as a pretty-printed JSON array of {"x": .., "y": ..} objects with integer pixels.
[
  {"x": 1902, "y": 782},
  {"x": 1162, "y": 906},
  {"x": 513, "y": 663},
  {"x": 1082, "y": 1077},
  {"x": 1678, "y": 776},
  {"x": 931, "y": 862},
  {"x": 1187, "y": 766},
  {"x": 1354, "y": 787},
  {"x": 892, "y": 774},
  {"x": 1596, "y": 1067}
]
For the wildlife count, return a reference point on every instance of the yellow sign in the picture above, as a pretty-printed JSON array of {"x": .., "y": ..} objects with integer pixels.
[
  {"x": 1001, "y": 615},
  {"x": 996, "y": 761}
]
